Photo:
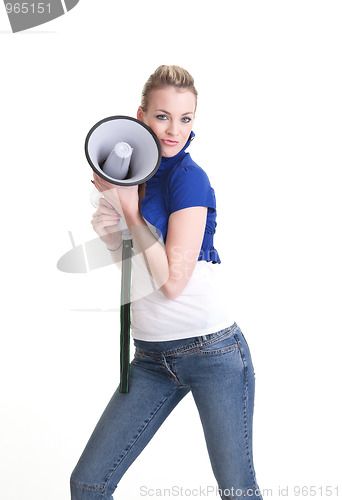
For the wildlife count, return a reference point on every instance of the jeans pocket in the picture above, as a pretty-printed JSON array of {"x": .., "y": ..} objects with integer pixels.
[{"x": 221, "y": 345}]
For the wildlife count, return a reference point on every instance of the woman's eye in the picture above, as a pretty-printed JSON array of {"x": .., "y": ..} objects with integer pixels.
[
  {"x": 161, "y": 117},
  {"x": 186, "y": 119}
]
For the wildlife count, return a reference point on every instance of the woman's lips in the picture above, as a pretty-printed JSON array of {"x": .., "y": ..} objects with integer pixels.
[{"x": 168, "y": 142}]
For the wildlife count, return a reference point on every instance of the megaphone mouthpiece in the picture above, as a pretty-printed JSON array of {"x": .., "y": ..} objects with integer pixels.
[
  {"x": 123, "y": 150},
  {"x": 117, "y": 163}
]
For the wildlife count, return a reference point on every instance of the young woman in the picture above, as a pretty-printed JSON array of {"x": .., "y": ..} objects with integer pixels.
[{"x": 184, "y": 338}]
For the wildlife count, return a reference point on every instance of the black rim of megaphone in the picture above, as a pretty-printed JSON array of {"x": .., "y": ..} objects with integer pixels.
[{"x": 122, "y": 117}]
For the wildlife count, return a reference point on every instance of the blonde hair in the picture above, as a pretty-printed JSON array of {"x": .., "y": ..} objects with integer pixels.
[{"x": 164, "y": 76}]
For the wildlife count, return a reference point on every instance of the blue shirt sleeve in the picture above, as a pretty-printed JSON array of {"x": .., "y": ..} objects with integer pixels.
[{"x": 189, "y": 186}]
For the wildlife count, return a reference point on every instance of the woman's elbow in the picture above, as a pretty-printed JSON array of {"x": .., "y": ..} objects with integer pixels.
[{"x": 171, "y": 290}]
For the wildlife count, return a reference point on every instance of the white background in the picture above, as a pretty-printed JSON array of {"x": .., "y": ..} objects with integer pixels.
[{"x": 268, "y": 133}]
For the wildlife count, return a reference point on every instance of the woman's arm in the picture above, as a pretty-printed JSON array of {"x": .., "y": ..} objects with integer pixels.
[
  {"x": 171, "y": 266},
  {"x": 104, "y": 223}
]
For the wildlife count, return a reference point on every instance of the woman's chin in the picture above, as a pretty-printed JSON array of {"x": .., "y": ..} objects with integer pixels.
[{"x": 169, "y": 151}]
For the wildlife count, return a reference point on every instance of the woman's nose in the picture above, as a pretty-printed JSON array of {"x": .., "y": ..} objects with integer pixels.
[{"x": 172, "y": 128}]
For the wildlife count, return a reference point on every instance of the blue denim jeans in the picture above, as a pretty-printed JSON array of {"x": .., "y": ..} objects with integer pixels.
[{"x": 218, "y": 370}]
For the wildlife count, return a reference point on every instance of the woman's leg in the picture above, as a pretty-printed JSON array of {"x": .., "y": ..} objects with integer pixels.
[
  {"x": 126, "y": 426},
  {"x": 224, "y": 395}
]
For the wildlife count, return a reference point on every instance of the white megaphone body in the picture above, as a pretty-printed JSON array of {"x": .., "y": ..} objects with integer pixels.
[{"x": 123, "y": 151}]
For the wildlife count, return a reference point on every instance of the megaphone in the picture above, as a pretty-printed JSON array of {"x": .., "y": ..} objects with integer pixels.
[
  {"x": 123, "y": 150},
  {"x": 126, "y": 152}
]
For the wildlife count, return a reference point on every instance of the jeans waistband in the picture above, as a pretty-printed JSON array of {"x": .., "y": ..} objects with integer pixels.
[{"x": 171, "y": 347}]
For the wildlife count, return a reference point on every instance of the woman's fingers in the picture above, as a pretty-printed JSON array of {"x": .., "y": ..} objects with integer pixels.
[
  {"x": 105, "y": 208},
  {"x": 99, "y": 217},
  {"x": 108, "y": 191},
  {"x": 104, "y": 227},
  {"x": 103, "y": 203},
  {"x": 100, "y": 183},
  {"x": 104, "y": 218},
  {"x": 106, "y": 211},
  {"x": 103, "y": 230}
]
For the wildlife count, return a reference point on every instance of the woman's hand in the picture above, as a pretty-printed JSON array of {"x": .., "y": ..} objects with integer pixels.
[
  {"x": 104, "y": 223},
  {"x": 124, "y": 199}
]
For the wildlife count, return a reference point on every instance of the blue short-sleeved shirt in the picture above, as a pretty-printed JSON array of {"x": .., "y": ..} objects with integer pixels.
[{"x": 180, "y": 183}]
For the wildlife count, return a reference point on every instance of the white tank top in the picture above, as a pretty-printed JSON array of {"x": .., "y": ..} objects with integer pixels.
[{"x": 199, "y": 310}]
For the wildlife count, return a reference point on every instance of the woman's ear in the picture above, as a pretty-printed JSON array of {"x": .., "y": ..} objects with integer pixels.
[{"x": 140, "y": 114}]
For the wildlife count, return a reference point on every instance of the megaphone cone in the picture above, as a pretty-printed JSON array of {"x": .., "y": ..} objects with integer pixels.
[{"x": 123, "y": 150}]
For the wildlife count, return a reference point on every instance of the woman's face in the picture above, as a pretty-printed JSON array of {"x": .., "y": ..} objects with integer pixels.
[{"x": 170, "y": 115}]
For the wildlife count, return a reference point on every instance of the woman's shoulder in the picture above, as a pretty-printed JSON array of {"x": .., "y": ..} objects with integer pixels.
[
  {"x": 189, "y": 186},
  {"x": 188, "y": 171}
]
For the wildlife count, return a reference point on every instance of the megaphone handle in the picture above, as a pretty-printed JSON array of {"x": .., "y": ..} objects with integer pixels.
[
  {"x": 126, "y": 235},
  {"x": 125, "y": 315}
]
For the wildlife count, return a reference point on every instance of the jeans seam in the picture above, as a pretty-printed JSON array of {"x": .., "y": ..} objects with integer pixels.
[
  {"x": 101, "y": 489},
  {"x": 254, "y": 487},
  {"x": 169, "y": 369},
  {"x": 223, "y": 350},
  {"x": 138, "y": 436},
  {"x": 245, "y": 402}
]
